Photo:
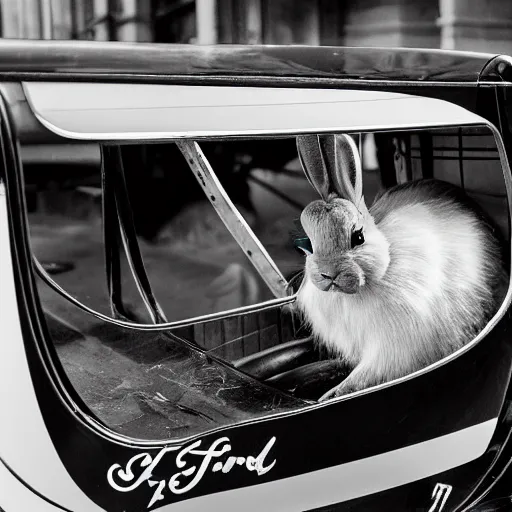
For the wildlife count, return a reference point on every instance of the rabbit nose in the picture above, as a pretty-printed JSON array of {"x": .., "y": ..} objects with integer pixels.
[
  {"x": 350, "y": 279},
  {"x": 325, "y": 280}
]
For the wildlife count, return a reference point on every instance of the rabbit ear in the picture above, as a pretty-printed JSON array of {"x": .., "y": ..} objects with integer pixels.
[
  {"x": 314, "y": 165},
  {"x": 347, "y": 180},
  {"x": 332, "y": 165}
]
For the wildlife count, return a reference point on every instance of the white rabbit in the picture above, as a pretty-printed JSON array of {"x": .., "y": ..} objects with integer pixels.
[{"x": 395, "y": 288}]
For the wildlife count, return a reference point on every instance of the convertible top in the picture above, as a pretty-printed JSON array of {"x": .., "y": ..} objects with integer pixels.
[{"x": 51, "y": 60}]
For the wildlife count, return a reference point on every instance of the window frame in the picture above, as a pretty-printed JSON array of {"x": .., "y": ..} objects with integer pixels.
[{"x": 471, "y": 120}]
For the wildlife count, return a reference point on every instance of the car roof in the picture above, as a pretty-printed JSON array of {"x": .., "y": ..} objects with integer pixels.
[{"x": 49, "y": 60}]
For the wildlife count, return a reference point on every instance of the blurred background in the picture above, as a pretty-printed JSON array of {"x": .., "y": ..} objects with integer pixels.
[
  {"x": 452, "y": 24},
  {"x": 63, "y": 179}
]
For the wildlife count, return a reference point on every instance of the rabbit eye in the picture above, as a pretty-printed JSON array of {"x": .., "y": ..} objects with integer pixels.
[
  {"x": 357, "y": 238},
  {"x": 303, "y": 245}
]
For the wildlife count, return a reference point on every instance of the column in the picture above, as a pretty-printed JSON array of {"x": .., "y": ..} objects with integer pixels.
[
  {"x": 476, "y": 26},
  {"x": 20, "y": 19},
  {"x": 101, "y": 28},
  {"x": 134, "y": 21},
  {"x": 392, "y": 23},
  {"x": 206, "y": 19}
]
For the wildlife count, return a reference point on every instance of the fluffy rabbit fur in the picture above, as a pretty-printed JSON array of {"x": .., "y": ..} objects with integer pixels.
[{"x": 422, "y": 283}]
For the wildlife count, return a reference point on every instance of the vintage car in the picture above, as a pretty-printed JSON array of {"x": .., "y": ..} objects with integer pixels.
[{"x": 167, "y": 369}]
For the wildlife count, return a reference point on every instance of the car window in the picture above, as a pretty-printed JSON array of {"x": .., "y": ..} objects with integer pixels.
[{"x": 238, "y": 351}]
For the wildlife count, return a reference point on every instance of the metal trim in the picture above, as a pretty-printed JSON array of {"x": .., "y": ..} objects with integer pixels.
[
  {"x": 231, "y": 217},
  {"x": 163, "y": 326}
]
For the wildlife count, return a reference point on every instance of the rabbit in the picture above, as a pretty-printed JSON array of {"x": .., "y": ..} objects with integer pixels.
[{"x": 397, "y": 287}]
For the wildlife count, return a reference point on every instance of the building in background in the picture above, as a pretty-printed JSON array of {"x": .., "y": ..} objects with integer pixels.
[{"x": 452, "y": 24}]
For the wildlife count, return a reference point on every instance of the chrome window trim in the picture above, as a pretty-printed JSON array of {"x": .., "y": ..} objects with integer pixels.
[{"x": 255, "y": 308}]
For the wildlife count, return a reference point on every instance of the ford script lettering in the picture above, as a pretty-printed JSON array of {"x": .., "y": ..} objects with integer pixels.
[{"x": 192, "y": 463}]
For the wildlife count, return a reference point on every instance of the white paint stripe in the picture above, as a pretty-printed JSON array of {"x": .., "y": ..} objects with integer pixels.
[
  {"x": 351, "y": 480},
  {"x": 24, "y": 441},
  {"x": 18, "y": 497}
]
